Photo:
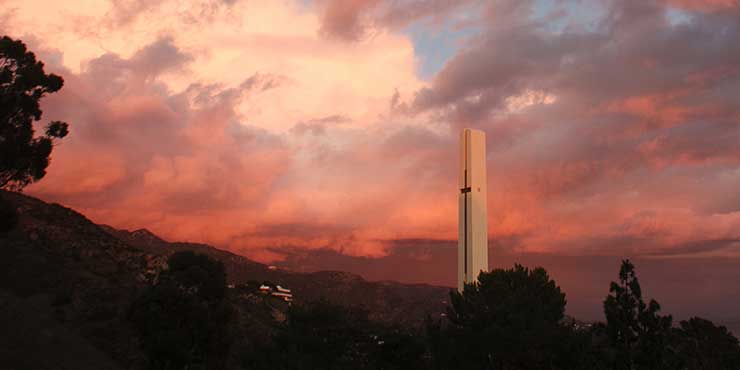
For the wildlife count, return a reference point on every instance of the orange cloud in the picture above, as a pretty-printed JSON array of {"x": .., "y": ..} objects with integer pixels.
[{"x": 236, "y": 130}]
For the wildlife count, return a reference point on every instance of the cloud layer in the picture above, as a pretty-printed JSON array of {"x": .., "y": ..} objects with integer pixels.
[{"x": 268, "y": 126}]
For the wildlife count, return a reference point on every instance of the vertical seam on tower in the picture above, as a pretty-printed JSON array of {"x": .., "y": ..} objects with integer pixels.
[
  {"x": 465, "y": 224},
  {"x": 465, "y": 199}
]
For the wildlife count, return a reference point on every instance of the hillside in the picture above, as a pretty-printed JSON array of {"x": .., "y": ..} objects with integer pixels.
[
  {"x": 66, "y": 284},
  {"x": 390, "y": 301},
  {"x": 58, "y": 267}
]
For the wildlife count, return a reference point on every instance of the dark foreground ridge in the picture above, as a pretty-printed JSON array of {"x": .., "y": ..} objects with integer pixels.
[
  {"x": 76, "y": 295},
  {"x": 66, "y": 284}
]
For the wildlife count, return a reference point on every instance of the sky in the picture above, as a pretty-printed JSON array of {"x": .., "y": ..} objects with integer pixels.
[{"x": 283, "y": 128}]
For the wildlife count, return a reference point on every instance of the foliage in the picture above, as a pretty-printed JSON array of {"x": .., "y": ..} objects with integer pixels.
[
  {"x": 322, "y": 335},
  {"x": 514, "y": 319},
  {"x": 637, "y": 334},
  {"x": 509, "y": 319},
  {"x": 8, "y": 215},
  {"x": 23, "y": 82},
  {"x": 701, "y": 345},
  {"x": 199, "y": 274},
  {"x": 183, "y": 319}
]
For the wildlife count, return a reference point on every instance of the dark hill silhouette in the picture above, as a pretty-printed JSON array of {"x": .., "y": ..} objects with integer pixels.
[
  {"x": 62, "y": 267},
  {"x": 66, "y": 284},
  {"x": 386, "y": 300}
]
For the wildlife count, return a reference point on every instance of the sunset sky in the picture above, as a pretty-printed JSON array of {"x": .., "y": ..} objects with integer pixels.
[{"x": 274, "y": 127}]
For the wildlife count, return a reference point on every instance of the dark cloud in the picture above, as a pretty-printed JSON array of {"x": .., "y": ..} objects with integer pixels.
[
  {"x": 415, "y": 141},
  {"x": 158, "y": 57},
  {"x": 634, "y": 51},
  {"x": 352, "y": 20},
  {"x": 344, "y": 19},
  {"x": 700, "y": 246},
  {"x": 319, "y": 126},
  {"x": 125, "y": 12},
  {"x": 638, "y": 106},
  {"x": 262, "y": 82},
  {"x": 704, "y": 5},
  {"x": 298, "y": 230}
]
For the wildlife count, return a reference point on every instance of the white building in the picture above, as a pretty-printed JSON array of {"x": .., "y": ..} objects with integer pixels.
[
  {"x": 282, "y": 290},
  {"x": 472, "y": 254},
  {"x": 287, "y": 297},
  {"x": 279, "y": 292}
]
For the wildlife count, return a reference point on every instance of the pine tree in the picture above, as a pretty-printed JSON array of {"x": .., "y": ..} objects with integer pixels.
[
  {"x": 23, "y": 82},
  {"x": 637, "y": 332}
]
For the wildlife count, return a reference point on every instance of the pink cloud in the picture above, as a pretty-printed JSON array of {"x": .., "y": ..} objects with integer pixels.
[{"x": 607, "y": 141}]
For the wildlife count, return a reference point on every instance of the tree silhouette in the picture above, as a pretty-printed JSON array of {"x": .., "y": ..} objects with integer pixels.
[
  {"x": 510, "y": 319},
  {"x": 182, "y": 320},
  {"x": 637, "y": 333},
  {"x": 198, "y": 273},
  {"x": 323, "y": 335},
  {"x": 23, "y": 82},
  {"x": 8, "y": 215},
  {"x": 701, "y": 345}
]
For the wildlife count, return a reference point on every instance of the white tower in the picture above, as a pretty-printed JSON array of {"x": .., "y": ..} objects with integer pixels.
[{"x": 472, "y": 250}]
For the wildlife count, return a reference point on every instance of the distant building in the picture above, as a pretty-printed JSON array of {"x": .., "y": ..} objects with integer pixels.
[
  {"x": 283, "y": 293},
  {"x": 280, "y": 292},
  {"x": 287, "y": 297}
]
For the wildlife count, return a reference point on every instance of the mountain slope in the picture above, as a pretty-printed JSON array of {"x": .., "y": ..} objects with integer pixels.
[
  {"x": 66, "y": 285},
  {"x": 386, "y": 301},
  {"x": 74, "y": 270}
]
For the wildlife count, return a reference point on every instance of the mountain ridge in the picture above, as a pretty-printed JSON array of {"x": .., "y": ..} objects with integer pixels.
[
  {"x": 60, "y": 268},
  {"x": 335, "y": 286}
]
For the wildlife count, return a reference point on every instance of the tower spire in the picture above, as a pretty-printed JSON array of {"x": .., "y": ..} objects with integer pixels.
[{"x": 472, "y": 221}]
